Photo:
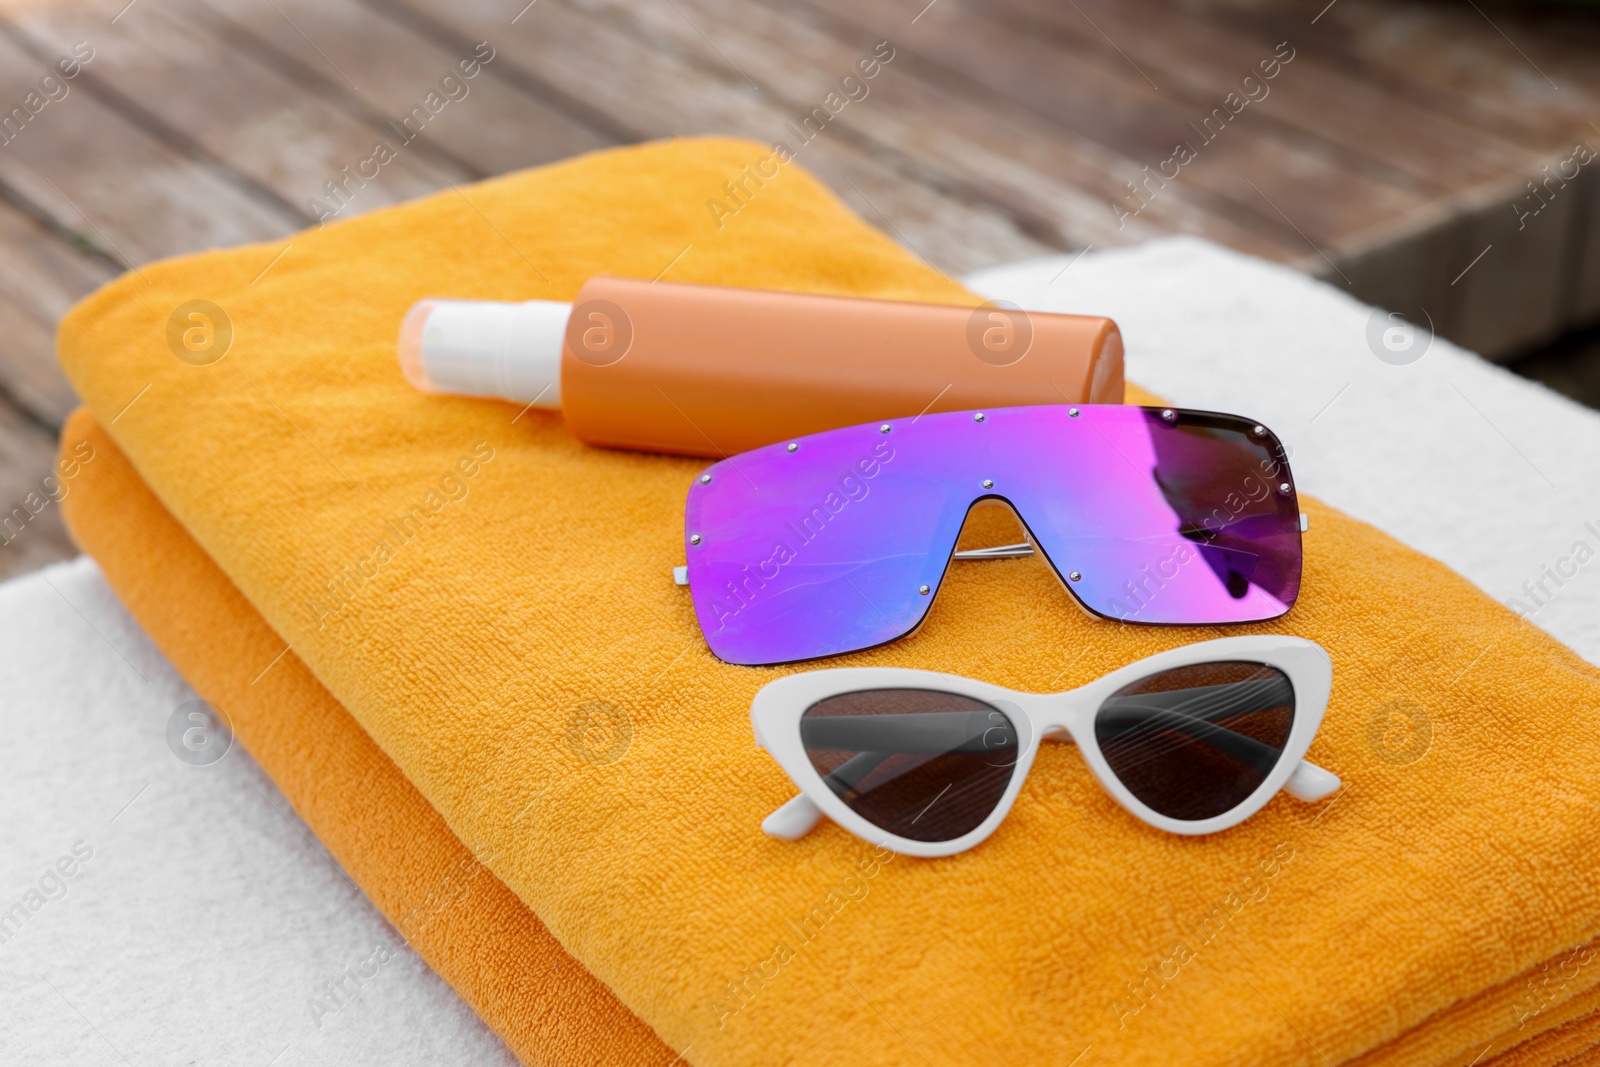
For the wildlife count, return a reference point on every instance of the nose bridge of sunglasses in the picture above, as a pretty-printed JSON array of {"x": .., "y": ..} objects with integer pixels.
[
  {"x": 1046, "y": 713},
  {"x": 993, "y": 530}
]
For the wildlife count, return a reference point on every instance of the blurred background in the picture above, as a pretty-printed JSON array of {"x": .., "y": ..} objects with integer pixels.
[{"x": 1435, "y": 158}]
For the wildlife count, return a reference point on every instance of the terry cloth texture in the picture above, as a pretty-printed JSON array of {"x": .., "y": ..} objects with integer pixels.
[
  {"x": 482, "y": 593},
  {"x": 203, "y": 622},
  {"x": 171, "y": 912},
  {"x": 442, "y": 901}
]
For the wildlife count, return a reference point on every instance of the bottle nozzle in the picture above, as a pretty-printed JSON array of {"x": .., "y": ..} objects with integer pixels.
[{"x": 486, "y": 348}]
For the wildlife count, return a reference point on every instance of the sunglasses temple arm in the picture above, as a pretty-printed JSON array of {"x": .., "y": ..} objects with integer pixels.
[
  {"x": 1310, "y": 782},
  {"x": 793, "y": 821}
]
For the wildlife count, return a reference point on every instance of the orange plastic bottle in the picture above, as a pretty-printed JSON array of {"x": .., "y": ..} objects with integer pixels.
[{"x": 711, "y": 371}]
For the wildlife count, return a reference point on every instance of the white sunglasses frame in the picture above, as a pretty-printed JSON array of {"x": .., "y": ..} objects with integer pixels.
[{"x": 778, "y": 707}]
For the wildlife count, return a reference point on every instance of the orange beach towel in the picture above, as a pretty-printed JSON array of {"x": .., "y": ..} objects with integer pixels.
[{"x": 534, "y": 602}]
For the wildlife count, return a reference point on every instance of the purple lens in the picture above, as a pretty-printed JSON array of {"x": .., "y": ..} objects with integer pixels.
[{"x": 827, "y": 548}]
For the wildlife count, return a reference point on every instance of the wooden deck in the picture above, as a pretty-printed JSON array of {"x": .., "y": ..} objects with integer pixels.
[{"x": 1390, "y": 151}]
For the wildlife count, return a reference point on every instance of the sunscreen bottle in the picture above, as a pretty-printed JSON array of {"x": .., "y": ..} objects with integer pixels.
[{"x": 712, "y": 371}]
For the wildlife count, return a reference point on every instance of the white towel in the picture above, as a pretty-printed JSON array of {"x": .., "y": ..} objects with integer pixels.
[
  {"x": 201, "y": 922},
  {"x": 1492, "y": 474}
]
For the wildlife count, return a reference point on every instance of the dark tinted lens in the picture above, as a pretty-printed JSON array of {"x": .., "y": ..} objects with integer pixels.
[
  {"x": 1194, "y": 742},
  {"x": 922, "y": 764},
  {"x": 1223, "y": 481}
]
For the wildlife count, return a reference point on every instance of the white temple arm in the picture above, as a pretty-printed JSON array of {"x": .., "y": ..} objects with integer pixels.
[
  {"x": 794, "y": 820},
  {"x": 1310, "y": 782}
]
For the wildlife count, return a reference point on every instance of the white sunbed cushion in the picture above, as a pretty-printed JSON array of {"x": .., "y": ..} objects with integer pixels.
[{"x": 206, "y": 922}]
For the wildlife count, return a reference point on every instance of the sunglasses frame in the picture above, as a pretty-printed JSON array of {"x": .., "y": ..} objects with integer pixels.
[
  {"x": 778, "y": 707},
  {"x": 696, "y": 535}
]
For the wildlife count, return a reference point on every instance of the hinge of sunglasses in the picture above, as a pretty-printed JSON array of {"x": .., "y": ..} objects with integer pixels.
[
  {"x": 680, "y": 576},
  {"x": 1305, "y": 522}
]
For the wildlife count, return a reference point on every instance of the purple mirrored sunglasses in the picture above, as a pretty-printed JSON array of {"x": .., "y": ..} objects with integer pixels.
[{"x": 838, "y": 542}]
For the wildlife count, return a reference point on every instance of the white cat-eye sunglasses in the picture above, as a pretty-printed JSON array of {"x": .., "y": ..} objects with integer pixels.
[{"x": 1192, "y": 740}]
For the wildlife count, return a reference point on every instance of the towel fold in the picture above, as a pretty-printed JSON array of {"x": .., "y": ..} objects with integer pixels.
[
  {"x": 523, "y": 659},
  {"x": 443, "y": 901}
]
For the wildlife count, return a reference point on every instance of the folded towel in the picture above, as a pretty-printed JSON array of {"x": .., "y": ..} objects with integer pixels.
[
  {"x": 161, "y": 912},
  {"x": 473, "y": 931},
  {"x": 201, "y": 621},
  {"x": 1572, "y": 1045},
  {"x": 530, "y": 599}
]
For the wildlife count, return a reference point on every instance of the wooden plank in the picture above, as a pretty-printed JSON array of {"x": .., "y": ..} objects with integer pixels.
[
  {"x": 654, "y": 93},
  {"x": 85, "y": 194},
  {"x": 168, "y": 72},
  {"x": 1401, "y": 258},
  {"x": 41, "y": 276},
  {"x": 1060, "y": 187},
  {"x": 31, "y": 532},
  {"x": 119, "y": 190},
  {"x": 1519, "y": 294},
  {"x": 499, "y": 127},
  {"x": 996, "y": 133},
  {"x": 1511, "y": 298},
  {"x": 1312, "y": 99},
  {"x": 1457, "y": 61},
  {"x": 1406, "y": 272},
  {"x": 1535, "y": 281},
  {"x": 1091, "y": 93},
  {"x": 1583, "y": 296}
]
